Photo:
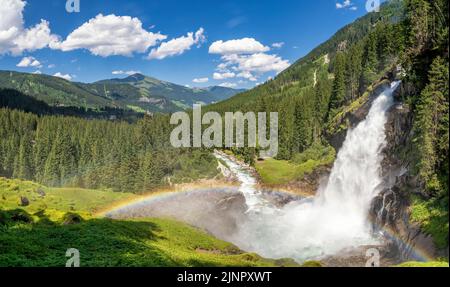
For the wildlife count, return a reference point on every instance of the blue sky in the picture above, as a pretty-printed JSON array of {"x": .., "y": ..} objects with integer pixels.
[{"x": 195, "y": 43}]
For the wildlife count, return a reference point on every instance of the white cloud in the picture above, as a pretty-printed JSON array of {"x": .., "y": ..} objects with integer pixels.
[
  {"x": 278, "y": 45},
  {"x": 29, "y": 62},
  {"x": 239, "y": 46},
  {"x": 129, "y": 73},
  {"x": 200, "y": 80},
  {"x": 246, "y": 58},
  {"x": 247, "y": 75},
  {"x": 63, "y": 76},
  {"x": 223, "y": 76},
  {"x": 37, "y": 72},
  {"x": 256, "y": 63},
  {"x": 51, "y": 66},
  {"x": 178, "y": 46},
  {"x": 110, "y": 35},
  {"x": 346, "y": 4},
  {"x": 228, "y": 85},
  {"x": 14, "y": 37}
]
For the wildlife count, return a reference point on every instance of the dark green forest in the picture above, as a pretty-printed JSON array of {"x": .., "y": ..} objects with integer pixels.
[{"x": 69, "y": 151}]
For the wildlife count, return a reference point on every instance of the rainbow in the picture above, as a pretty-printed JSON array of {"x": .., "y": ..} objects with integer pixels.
[
  {"x": 160, "y": 195},
  {"x": 418, "y": 253}
]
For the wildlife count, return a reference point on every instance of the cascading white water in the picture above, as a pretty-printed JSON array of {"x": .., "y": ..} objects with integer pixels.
[
  {"x": 337, "y": 217},
  {"x": 254, "y": 201}
]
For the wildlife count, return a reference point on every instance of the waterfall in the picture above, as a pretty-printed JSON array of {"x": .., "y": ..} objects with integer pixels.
[{"x": 337, "y": 218}]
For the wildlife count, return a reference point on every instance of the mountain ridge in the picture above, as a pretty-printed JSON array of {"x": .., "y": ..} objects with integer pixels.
[{"x": 137, "y": 92}]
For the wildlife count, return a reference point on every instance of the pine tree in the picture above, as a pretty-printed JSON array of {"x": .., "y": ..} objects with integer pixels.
[
  {"x": 338, "y": 91},
  {"x": 431, "y": 125},
  {"x": 23, "y": 168},
  {"x": 370, "y": 66}
]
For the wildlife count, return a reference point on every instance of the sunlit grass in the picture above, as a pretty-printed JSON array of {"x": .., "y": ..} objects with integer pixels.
[{"x": 66, "y": 199}]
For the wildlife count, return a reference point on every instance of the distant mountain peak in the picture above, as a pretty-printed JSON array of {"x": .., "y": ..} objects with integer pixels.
[{"x": 136, "y": 77}]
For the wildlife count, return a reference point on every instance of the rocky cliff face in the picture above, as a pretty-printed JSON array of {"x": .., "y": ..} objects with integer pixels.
[{"x": 390, "y": 209}]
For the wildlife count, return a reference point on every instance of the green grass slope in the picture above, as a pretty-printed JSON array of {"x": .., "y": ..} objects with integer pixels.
[
  {"x": 107, "y": 243},
  {"x": 275, "y": 172},
  {"x": 40, "y": 234},
  {"x": 62, "y": 199}
]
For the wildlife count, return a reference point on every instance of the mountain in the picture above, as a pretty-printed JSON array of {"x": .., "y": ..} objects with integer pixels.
[
  {"x": 136, "y": 92},
  {"x": 183, "y": 97},
  {"x": 301, "y": 75},
  {"x": 52, "y": 90}
]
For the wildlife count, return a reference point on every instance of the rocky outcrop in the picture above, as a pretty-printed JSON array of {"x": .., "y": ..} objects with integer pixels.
[
  {"x": 390, "y": 211},
  {"x": 353, "y": 118},
  {"x": 24, "y": 201}
]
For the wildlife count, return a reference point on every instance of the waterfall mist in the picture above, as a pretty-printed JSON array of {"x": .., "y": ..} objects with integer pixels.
[{"x": 337, "y": 218}]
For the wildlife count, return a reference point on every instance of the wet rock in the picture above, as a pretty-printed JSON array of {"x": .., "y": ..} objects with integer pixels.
[
  {"x": 390, "y": 209},
  {"x": 362, "y": 256}
]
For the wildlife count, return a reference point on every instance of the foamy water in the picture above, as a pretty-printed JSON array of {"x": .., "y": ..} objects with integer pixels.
[{"x": 337, "y": 218}]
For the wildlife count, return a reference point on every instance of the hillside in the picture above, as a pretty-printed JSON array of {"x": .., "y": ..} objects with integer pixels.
[
  {"x": 181, "y": 96},
  {"x": 39, "y": 234},
  {"x": 138, "y": 93},
  {"x": 300, "y": 75}
]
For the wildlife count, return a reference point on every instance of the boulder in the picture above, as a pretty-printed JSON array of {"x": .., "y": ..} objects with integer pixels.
[
  {"x": 40, "y": 192},
  {"x": 72, "y": 218},
  {"x": 24, "y": 201}
]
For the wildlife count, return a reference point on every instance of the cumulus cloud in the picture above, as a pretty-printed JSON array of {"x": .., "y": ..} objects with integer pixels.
[
  {"x": 29, "y": 62},
  {"x": 110, "y": 35},
  {"x": 251, "y": 66},
  {"x": 239, "y": 46},
  {"x": 200, "y": 80},
  {"x": 346, "y": 4},
  {"x": 261, "y": 63},
  {"x": 246, "y": 58},
  {"x": 247, "y": 75},
  {"x": 223, "y": 76},
  {"x": 178, "y": 46},
  {"x": 228, "y": 85},
  {"x": 63, "y": 76},
  {"x": 129, "y": 73},
  {"x": 278, "y": 45},
  {"x": 14, "y": 37}
]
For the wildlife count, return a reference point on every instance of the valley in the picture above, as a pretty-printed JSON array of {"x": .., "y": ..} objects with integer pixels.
[{"x": 360, "y": 176}]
